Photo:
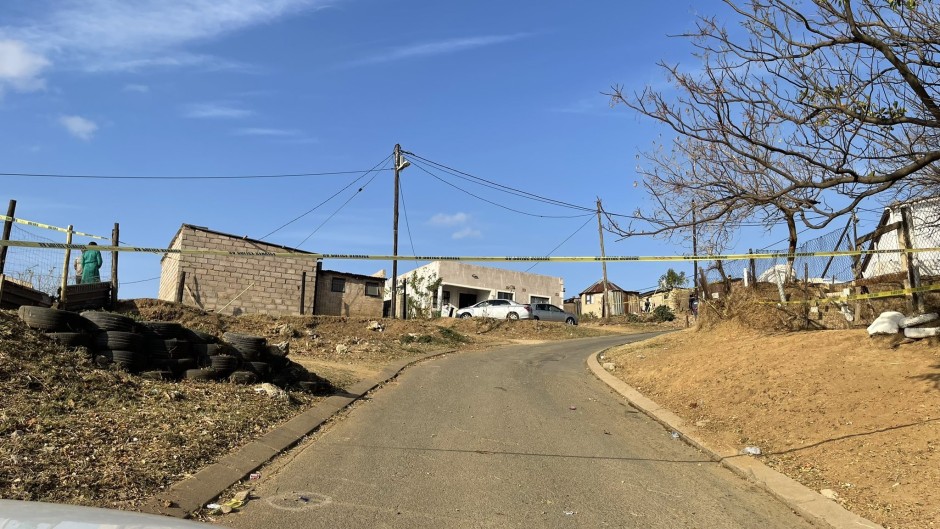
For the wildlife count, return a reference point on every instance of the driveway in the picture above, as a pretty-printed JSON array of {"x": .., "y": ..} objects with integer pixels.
[{"x": 521, "y": 436}]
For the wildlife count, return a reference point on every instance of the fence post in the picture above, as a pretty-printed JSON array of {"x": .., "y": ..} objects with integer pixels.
[
  {"x": 65, "y": 267},
  {"x": 179, "y": 287},
  {"x": 915, "y": 300},
  {"x": 7, "y": 226},
  {"x": 753, "y": 266},
  {"x": 303, "y": 290},
  {"x": 316, "y": 289},
  {"x": 115, "y": 233}
]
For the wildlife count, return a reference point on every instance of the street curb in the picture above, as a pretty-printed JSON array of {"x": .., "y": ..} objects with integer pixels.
[
  {"x": 185, "y": 497},
  {"x": 797, "y": 496}
]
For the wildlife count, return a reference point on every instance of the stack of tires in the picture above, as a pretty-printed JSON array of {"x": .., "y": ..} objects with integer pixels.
[
  {"x": 169, "y": 352},
  {"x": 117, "y": 341},
  {"x": 250, "y": 353}
]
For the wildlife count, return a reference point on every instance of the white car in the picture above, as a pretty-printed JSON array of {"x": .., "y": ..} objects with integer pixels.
[
  {"x": 15, "y": 514},
  {"x": 497, "y": 308}
]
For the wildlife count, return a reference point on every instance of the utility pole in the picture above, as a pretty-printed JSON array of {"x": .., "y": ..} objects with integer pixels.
[
  {"x": 397, "y": 159},
  {"x": 605, "y": 311}
]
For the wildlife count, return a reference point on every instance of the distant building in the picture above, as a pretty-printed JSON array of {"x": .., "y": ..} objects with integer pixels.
[
  {"x": 462, "y": 285},
  {"x": 283, "y": 284},
  {"x": 621, "y": 301}
]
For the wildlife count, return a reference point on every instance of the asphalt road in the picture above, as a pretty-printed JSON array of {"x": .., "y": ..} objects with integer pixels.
[{"x": 523, "y": 436}]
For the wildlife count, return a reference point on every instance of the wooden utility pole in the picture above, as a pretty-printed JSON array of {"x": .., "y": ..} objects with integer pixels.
[
  {"x": 7, "y": 227},
  {"x": 605, "y": 310},
  {"x": 908, "y": 264},
  {"x": 65, "y": 267},
  {"x": 396, "y": 161},
  {"x": 115, "y": 240}
]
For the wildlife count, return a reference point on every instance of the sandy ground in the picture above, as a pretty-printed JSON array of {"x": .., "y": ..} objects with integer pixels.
[{"x": 832, "y": 409}]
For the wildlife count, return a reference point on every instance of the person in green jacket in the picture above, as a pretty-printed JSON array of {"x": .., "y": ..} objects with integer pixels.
[{"x": 91, "y": 263}]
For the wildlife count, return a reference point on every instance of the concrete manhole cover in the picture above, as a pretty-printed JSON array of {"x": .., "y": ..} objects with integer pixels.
[{"x": 299, "y": 501}]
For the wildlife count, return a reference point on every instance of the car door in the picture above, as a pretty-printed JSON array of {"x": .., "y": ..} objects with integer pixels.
[
  {"x": 556, "y": 313},
  {"x": 498, "y": 308},
  {"x": 479, "y": 310}
]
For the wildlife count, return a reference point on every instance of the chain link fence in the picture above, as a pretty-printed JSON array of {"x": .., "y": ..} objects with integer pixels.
[{"x": 41, "y": 268}]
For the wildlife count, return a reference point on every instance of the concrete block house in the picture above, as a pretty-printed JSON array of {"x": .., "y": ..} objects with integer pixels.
[
  {"x": 463, "y": 284},
  {"x": 281, "y": 285}
]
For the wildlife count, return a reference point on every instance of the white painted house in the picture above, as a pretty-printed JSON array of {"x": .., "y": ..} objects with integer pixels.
[{"x": 925, "y": 233}]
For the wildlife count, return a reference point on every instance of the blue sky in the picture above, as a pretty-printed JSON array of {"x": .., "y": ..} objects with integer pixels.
[{"x": 507, "y": 91}]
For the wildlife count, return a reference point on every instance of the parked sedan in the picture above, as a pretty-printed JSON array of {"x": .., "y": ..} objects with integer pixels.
[
  {"x": 497, "y": 308},
  {"x": 547, "y": 312}
]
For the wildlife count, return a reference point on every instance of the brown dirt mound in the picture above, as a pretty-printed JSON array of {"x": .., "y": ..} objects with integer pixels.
[
  {"x": 831, "y": 409},
  {"x": 76, "y": 434}
]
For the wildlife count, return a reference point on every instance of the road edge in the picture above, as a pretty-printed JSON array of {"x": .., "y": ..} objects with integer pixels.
[
  {"x": 185, "y": 497},
  {"x": 801, "y": 499}
]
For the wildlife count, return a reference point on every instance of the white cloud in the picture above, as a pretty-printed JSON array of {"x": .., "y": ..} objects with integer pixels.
[
  {"x": 465, "y": 233},
  {"x": 139, "y": 88},
  {"x": 110, "y": 35},
  {"x": 20, "y": 67},
  {"x": 216, "y": 110},
  {"x": 441, "y": 47},
  {"x": 81, "y": 128},
  {"x": 443, "y": 219}
]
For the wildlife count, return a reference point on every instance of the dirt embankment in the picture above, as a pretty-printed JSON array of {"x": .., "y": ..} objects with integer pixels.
[
  {"x": 832, "y": 409},
  {"x": 73, "y": 433}
]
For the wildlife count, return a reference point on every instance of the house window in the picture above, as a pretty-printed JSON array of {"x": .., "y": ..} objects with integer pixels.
[
  {"x": 445, "y": 297},
  {"x": 338, "y": 284},
  {"x": 537, "y": 299},
  {"x": 505, "y": 295},
  {"x": 372, "y": 289},
  {"x": 589, "y": 298}
]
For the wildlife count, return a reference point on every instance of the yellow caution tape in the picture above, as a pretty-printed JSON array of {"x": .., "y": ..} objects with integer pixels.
[
  {"x": 48, "y": 227},
  {"x": 365, "y": 257}
]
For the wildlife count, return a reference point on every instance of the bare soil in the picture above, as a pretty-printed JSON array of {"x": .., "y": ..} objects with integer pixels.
[
  {"x": 73, "y": 433},
  {"x": 832, "y": 409}
]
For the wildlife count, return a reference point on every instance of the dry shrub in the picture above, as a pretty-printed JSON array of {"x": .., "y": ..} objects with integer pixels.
[{"x": 759, "y": 309}]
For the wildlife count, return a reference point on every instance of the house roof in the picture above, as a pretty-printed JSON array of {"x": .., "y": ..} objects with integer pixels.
[
  {"x": 598, "y": 288},
  {"x": 354, "y": 276}
]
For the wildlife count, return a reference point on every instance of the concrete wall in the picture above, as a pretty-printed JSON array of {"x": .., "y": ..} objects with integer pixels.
[
  {"x": 170, "y": 271},
  {"x": 486, "y": 282},
  {"x": 267, "y": 285},
  {"x": 353, "y": 301}
]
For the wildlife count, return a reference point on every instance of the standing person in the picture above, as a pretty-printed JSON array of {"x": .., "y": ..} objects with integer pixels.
[
  {"x": 78, "y": 270},
  {"x": 91, "y": 263}
]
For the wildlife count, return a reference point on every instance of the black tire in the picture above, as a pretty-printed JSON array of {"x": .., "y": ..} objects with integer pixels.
[
  {"x": 200, "y": 375},
  {"x": 249, "y": 347},
  {"x": 262, "y": 369},
  {"x": 164, "y": 329},
  {"x": 536, "y": 318},
  {"x": 169, "y": 348},
  {"x": 243, "y": 377},
  {"x": 570, "y": 321},
  {"x": 103, "y": 360},
  {"x": 464, "y": 315},
  {"x": 115, "y": 340},
  {"x": 176, "y": 365},
  {"x": 52, "y": 320},
  {"x": 70, "y": 339},
  {"x": 107, "y": 321},
  {"x": 224, "y": 364},
  {"x": 512, "y": 316},
  {"x": 130, "y": 361}
]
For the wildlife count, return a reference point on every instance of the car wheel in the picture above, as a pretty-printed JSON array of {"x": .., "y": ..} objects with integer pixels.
[
  {"x": 570, "y": 321},
  {"x": 512, "y": 316},
  {"x": 464, "y": 315}
]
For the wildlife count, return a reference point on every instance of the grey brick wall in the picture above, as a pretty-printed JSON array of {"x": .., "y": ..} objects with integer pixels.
[
  {"x": 352, "y": 302},
  {"x": 243, "y": 285}
]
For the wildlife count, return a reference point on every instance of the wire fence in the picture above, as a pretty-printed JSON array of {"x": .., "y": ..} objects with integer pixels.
[
  {"x": 41, "y": 268},
  {"x": 815, "y": 269},
  {"x": 924, "y": 233}
]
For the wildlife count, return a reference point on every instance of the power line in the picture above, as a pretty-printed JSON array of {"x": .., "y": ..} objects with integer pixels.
[
  {"x": 230, "y": 177},
  {"x": 420, "y": 166},
  {"x": 314, "y": 208},
  {"x": 348, "y": 200},
  {"x": 138, "y": 281},
  {"x": 562, "y": 242},
  {"x": 500, "y": 187}
]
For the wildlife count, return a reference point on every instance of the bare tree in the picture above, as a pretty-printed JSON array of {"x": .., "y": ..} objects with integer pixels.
[{"x": 816, "y": 107}]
